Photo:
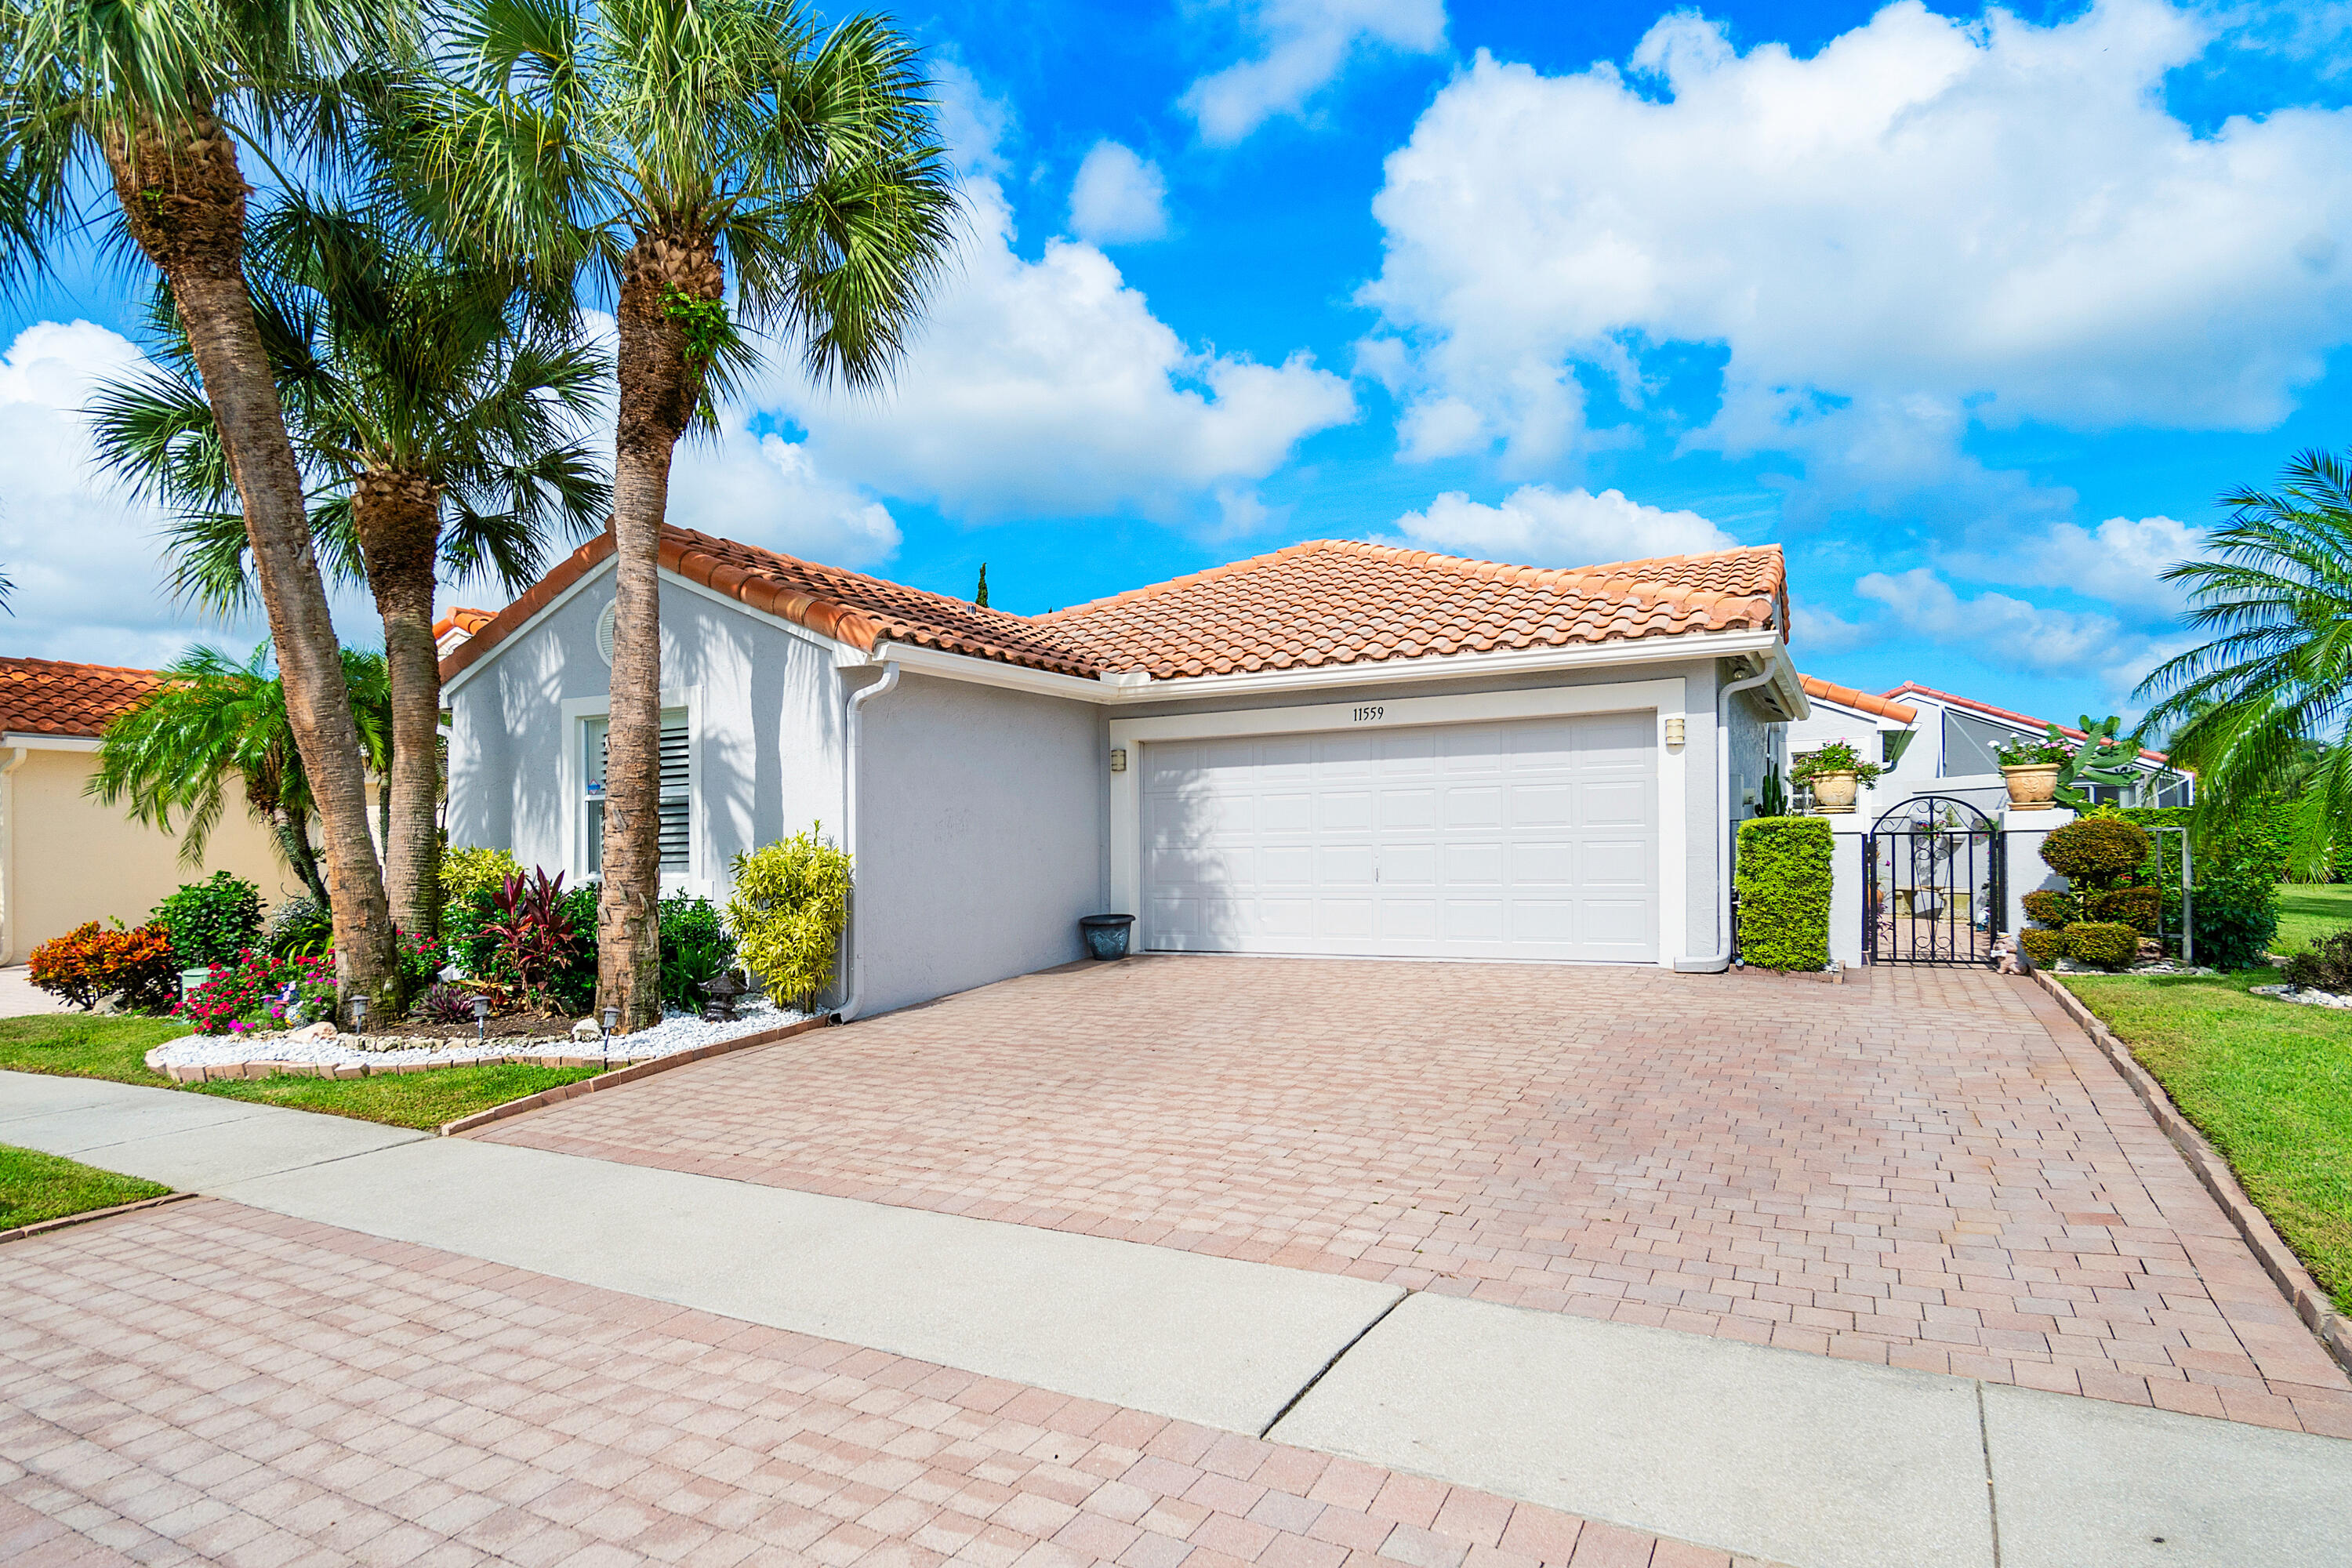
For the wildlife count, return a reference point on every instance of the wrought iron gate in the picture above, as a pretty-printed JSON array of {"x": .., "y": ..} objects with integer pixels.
[{"x": 1935, "y": 885}]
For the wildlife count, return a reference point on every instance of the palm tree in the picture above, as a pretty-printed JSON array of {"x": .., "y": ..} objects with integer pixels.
[
  {"x": 2261, "y": 708},
  {"x": 172, "y": 753},
  {"x": 146, "y": 104},
  {"x": 665, "y": 144},
  {"x": 421, "y": 392}
]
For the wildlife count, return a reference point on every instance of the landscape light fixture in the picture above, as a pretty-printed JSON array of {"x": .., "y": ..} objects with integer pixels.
[
  {"x": 359, "y": 1013},
  {"x": 612, "y": 1021},
  {"x": 481, "y": 1017}
]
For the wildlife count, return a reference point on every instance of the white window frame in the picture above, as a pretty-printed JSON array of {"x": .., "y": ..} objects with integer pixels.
[
  {"x": 574, "y": 770},
  {"x": 1665, "y": 699}
]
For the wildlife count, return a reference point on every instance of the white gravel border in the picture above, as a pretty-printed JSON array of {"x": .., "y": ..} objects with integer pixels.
[
  {"x": 676, "y": 1032},
  {"x": 2309, "y": 996}
]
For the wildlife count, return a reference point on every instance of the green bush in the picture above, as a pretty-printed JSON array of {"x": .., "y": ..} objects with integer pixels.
[
  {"x": 211, "y": 921},
  {"x": 2045, "y": 948},
  {"x": 2238, "y": 867},
  {"x": 2327, "y": 966},
  {"x": 2096, "y": 850},
  {"x": 298, "y": 926},
  {"x": 465, "y": 871},
  {"x": 695, "y": 946},
  {"x": 1785, "y": 870},
  {"x": 2102, "y": 944},
  {"x": 2054, "y": 907},
  {"x": 790, "y": 905},
  {"x": 2135, "y": 907}
]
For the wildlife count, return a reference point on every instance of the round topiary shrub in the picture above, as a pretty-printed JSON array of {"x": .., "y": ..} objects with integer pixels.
[
  {"x": 2096, "y": 849},
  {"x": 2138, "y": 908},
  {"x": 2052, "y": 906},
  {"x": 2045, "y": 948},
  {"x": 2102, "y": 944}
]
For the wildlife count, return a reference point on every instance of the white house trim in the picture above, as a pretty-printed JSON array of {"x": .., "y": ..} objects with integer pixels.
[
  {"x": 1665, "y": 697},
  {"x": 25, "y": 741},
  {"x": 921, "y": 660}
]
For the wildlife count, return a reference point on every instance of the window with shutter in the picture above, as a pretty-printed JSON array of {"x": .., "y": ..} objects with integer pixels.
[{"x": 676, "y": 792}]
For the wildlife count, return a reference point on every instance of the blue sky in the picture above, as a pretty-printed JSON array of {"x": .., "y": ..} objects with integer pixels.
[{"x": 1975, "y": 313}]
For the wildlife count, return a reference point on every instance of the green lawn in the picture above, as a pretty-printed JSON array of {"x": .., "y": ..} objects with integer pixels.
[
  {"x": 36, "y": 1187},
  {"x": 85, "y": 1045},
  {"x": 2269, "y": 1082},
  {"x": 2307, "y": 910}
]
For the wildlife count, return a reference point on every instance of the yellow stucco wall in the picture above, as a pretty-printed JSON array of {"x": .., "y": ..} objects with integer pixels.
[{"x": 71, "y": 860}]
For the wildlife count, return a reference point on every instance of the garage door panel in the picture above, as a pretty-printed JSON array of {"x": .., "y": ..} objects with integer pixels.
[{"x": 1532, "y": 839}]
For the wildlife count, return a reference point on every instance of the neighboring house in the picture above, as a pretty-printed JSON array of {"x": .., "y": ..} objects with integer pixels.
[
  {"x": 454, "y": 627},
  {"x": 1338, "y": 748},
  {"x": 64, "y": 857},
  {"x": 1933, "y": 742}
]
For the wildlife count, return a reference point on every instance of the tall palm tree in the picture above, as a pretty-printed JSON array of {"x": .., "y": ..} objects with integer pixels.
[
  {"x": 145, "y": 104},
  {"x": 172, "y": 753},
  {"x": 435, "y": 407},
  {"x": 663, "y": 145},
  {"x": 2250, "y": 706}
]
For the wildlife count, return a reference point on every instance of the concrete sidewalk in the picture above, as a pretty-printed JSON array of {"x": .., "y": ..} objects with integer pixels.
[{"x": 1795, "y": 1457}]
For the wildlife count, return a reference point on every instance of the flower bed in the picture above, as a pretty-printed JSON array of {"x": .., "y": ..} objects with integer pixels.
[{"x": 193, "y": 1059}]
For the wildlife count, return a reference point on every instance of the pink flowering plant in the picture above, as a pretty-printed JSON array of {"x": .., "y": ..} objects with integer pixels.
[{"x": 260, "y": 993}]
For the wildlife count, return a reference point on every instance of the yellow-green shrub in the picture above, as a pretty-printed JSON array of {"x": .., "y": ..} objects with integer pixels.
[
  {"x": 2102, "y": 944},
  {"x": 789, "y": 907},
  {"x": 1785, "y": 883},
  {"x": 464, "y": 870}
]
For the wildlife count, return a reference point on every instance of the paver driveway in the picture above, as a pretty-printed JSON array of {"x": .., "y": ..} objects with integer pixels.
[{"x": 1930, "y": 1168}]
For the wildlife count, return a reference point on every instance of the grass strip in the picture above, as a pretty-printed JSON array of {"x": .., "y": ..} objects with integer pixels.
[
  {"x": 89, "y": 1045},
  {"x": 35, "y": 1186},
  {"x": 2268, "y": 1083}
]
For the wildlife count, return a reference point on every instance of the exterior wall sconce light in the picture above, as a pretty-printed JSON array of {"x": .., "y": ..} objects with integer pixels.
[
  {"x": 1673, "y": 731},
  {"x": 1118, "y": 759}
]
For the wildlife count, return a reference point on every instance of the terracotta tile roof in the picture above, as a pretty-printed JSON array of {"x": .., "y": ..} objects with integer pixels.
[
  {"x": 460, "y": 619},
  {"x": 1325, "y": 602},
  {"x": 2027, "y": 720},
  {"x": 1331, "y": 601},
  {"x": 1862, "y": 701},
  {"x": 44, "y": 697}
]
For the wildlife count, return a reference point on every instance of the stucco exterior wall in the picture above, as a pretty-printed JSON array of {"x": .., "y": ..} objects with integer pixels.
[
  {"x": 71, "y": 859},
  {"x": 980, "y": 821},
  {"x": 763, "y": 710}
]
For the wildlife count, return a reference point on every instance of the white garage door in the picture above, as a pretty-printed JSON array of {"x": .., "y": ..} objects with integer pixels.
[{"x": 1534, "y": 838}]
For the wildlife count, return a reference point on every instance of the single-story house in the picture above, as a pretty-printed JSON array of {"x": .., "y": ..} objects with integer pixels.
[
  {"x": 64, "y": 857},
  {"x": 1338, "y": 748},
  {"x": 1933, "y": 742}
]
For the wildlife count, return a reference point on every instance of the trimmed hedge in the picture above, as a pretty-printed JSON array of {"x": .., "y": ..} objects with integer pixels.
[
  {"x": 2097, "y": 849},
  {"x": 2045, "y": 948},
  {"x": 2102, "y": 944},
  {"x": 1786, "y": 873}
]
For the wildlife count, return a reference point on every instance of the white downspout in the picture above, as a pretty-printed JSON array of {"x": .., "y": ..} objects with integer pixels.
[
  {"x": 849, "y": 781},
  {"x": 1719, "y": 960}
]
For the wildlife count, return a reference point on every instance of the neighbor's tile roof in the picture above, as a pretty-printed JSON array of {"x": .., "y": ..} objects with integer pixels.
[
  {"x": 1861, "y": 701},
  {"x": 1331, "y": 601},
  {"x": 44, "y": 697},
  {"x": 462, "y": 619},
  {"x": 2027, "y": 720},
  {"x": 1322, "y": 603}
]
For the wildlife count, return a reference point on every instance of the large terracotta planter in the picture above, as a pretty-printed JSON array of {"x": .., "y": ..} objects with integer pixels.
[
  {"x": 1833, "y": 794},
  {"x": 2032, "y": 786}
]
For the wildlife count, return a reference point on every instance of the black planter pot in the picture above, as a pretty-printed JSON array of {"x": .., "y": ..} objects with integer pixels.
[{"x": 1105, "y": 935}]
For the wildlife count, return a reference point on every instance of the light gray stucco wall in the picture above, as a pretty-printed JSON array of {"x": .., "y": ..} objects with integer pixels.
[
  {"x": 764, "y": 705},
  {"x": 980, "y": 815}
]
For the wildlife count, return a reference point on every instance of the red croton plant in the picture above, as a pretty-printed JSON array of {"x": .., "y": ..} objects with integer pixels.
[{"x": 534, "y": 935}]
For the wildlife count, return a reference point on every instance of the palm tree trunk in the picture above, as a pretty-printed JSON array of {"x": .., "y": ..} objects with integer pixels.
[
  {"x": 397, "y": 516},
  {"x": 660, "y": 387},
  {"x": 292, "y": 829},
  {"x": 182, "y": 201}
]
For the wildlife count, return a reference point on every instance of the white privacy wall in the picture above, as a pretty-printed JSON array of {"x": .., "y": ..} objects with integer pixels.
[{"x": 981, "y": 822}]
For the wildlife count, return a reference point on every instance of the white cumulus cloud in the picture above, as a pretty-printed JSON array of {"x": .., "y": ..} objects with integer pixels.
[
  {"x": 1926, "y": 223},
  {"x": 764, "y": 489},
  {"x": 1537, "y": 525},
  {"x": 1049, "y": 388},
  {"x": 1303, "y": 46},
  {"x": 2122, "y": 561},
  {"x": 1117, "y": 197}
]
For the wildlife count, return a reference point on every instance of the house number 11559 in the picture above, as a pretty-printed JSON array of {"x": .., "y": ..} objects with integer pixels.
[{"x": 1364, "y": 715}]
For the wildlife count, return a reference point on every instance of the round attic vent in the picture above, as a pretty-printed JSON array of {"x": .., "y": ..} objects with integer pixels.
[{"x": 604, "y": 633}]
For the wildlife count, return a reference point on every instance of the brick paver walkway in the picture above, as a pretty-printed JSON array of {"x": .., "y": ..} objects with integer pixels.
[
  {"x": 211, "y": 1383},
  {"x": 1932, "y": 1168}
]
